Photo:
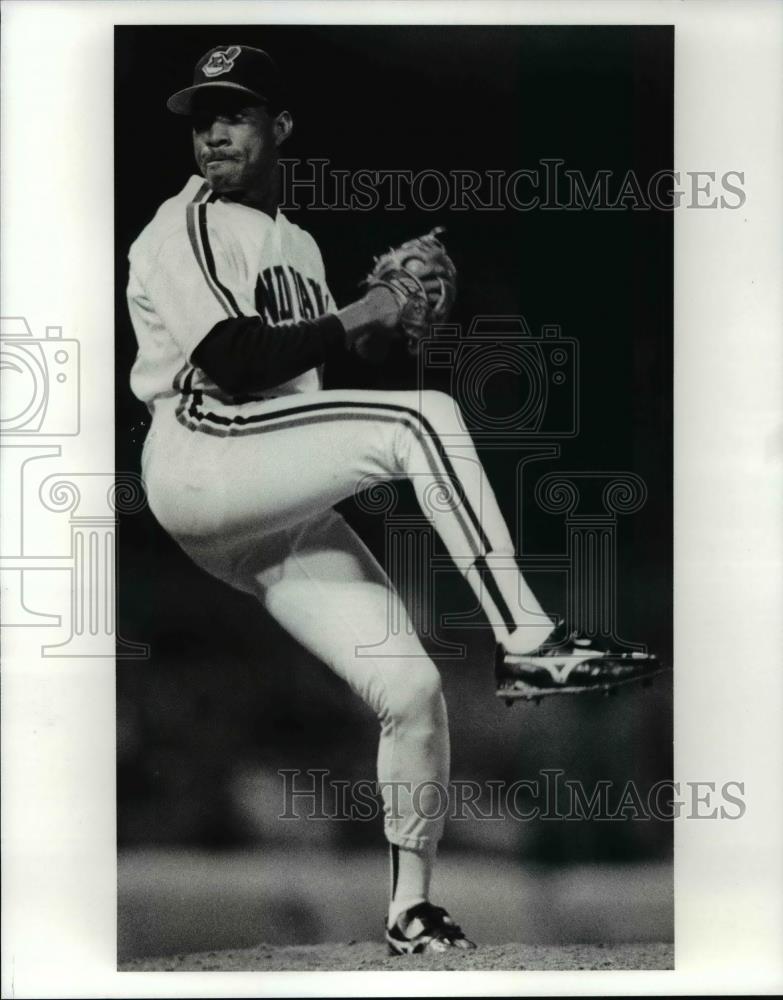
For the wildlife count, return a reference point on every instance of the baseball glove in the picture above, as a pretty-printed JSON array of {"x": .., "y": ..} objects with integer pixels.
[{"x": 423, "y": 279}]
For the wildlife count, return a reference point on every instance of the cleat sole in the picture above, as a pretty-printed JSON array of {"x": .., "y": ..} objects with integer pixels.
[{"x": 519, "y": 691}]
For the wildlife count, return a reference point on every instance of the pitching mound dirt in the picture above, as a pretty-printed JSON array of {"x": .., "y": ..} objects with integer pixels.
[{"x": 367, "y": 956}]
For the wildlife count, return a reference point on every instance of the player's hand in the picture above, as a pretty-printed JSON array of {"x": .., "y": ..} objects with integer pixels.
[
  {"x": 372, "y": 344},
  {"x": 371, "y": 324},
  {"x": 423, "y": 279},
  {"x": 384, "y": 307}
]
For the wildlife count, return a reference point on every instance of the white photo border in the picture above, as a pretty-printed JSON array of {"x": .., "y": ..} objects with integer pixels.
[{"x": 58, "y": 716}]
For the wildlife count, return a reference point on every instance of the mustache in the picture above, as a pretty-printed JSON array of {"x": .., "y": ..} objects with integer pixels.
[{"x": 217, "y": 157}]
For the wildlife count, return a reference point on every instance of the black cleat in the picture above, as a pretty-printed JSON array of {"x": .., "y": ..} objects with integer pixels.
[
  {"x": 569, "y": 663},
  {"x": 425, "y": 928}
]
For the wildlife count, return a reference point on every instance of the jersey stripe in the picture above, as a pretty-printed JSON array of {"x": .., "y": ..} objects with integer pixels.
[
  {"x": 192, "y": 227},
  {"x": 202, "y": 219},
  {"x": 196, "y": 221}
]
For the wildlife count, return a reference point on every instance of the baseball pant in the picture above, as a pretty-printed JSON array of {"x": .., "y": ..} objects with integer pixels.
[{"x": 247, "y": 491}]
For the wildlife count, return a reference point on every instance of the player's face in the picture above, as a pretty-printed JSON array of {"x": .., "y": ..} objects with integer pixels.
[{"x": 235, "y": 143}]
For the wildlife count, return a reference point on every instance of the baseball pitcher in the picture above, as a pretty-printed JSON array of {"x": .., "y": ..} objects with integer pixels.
[{"x": 247, "y": 455}]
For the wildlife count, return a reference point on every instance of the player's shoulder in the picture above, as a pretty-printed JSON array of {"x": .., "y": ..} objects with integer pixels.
[
  {"x": 299, "y": 235},
  {"x": 295, "y": 229},
  {"x": 170, "y": 220}
]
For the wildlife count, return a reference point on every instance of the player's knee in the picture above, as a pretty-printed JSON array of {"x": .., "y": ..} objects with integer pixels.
[
  {"x": 440, "y": 410},
  {"x": 435, "y": 402},
  {"x": 427, "y": 414},
  {"x": 417, "y": 693}
]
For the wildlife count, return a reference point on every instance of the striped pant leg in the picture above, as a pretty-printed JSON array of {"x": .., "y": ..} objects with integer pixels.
[{"x": 289, "y": 458}]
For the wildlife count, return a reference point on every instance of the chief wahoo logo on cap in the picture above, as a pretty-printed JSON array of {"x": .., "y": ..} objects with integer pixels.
[{"x": 221, "y": 62}]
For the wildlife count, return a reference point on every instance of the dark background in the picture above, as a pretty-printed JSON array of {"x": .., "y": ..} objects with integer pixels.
[{"x": 226, "y": 698}]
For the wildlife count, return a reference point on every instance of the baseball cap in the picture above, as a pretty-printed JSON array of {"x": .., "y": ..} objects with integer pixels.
[{"x": 230, "y": 67}]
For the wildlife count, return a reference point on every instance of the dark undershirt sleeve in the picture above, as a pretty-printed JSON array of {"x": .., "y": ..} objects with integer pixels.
[{"x": 246, "y": 355}]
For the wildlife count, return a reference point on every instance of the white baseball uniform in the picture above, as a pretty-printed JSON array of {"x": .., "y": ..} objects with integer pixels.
[{"x": 246, "y": 485}]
